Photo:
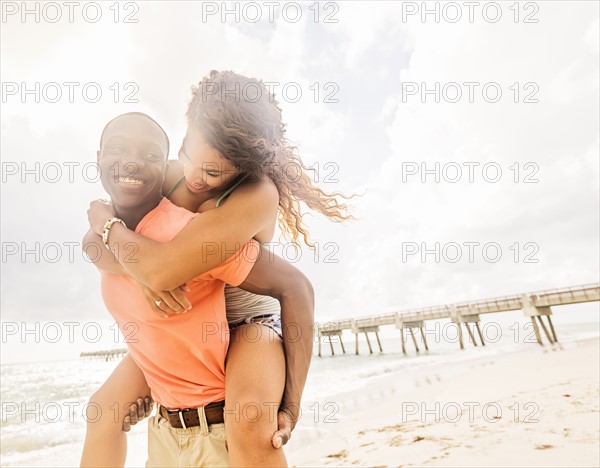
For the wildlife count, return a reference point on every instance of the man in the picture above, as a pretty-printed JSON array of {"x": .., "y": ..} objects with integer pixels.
[{"x": 183, "y": 357}]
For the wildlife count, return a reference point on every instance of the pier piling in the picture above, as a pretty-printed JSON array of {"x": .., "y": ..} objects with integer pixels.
[
  {"x": 365, "y": 327},
  {"x": 480, "y": 334},
  {"x": 411, "y": 326},
  {"x": 423, "y": 336},
  {"x": 331, "y": 331},
  {"x": 369, "y": 343},
  {"x": 456, "y": 316},
  {"x": 530, "y": 309}
]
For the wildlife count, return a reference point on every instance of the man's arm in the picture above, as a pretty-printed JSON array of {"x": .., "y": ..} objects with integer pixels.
[{"x": 273, "y": 276}]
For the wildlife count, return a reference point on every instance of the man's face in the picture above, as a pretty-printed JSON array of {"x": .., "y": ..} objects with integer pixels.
[{"x": 132, "y": 160}]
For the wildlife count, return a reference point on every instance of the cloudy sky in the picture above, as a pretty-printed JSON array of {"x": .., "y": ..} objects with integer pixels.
[{"x": 469, "y": 134}]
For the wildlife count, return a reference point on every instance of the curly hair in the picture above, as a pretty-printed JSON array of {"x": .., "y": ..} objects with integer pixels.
[{"x": 241, "y": 119}]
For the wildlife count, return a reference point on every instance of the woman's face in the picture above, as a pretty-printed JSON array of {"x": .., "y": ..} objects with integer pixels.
[{"x": 204, "y": 167}]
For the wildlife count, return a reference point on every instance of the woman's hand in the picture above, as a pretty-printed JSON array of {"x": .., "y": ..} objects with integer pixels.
[
  {"x": 165, "y": 303},
  {"x": 99, "y": 213}
]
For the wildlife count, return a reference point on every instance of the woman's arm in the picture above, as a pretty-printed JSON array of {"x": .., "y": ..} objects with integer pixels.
[
  {"x": 207, "y": 240},
  {"x": 171, "y": 302},
  {"x": 99, "y": 255},
  {"x": 273, "y": 276}
]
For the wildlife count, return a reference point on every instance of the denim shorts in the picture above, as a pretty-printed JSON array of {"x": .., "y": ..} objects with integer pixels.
[{"x": 273, "y": 321}]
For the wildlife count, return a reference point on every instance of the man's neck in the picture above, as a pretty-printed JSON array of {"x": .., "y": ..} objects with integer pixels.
[{"x": 133, "y": 215}]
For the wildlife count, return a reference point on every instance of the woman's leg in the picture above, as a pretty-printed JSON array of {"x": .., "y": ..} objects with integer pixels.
[
  {"x": 105, "y": 442},
  {"x": 254, "y": 383}
]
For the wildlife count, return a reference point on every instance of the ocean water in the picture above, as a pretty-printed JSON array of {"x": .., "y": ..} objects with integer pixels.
[
  {"x": 43, "y": 403},
  {"x": 43, "y": 406},
  {"x": 331, "y": 375}
]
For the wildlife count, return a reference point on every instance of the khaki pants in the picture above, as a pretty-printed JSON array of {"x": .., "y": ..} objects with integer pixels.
[{"x": 193, "y": 447}]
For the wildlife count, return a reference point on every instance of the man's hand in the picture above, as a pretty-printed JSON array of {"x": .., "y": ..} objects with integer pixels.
[
  {"x": 99, "y": 213},
  {"x": 165, "y": 303},
  {"x": 285, "y": 426},
  {"x": 137, "y": 411}
]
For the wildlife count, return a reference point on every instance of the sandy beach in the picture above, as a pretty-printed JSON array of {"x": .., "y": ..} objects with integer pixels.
[
  {"x": 498, "y": 406},
  {"x": 538, "y": 407}
]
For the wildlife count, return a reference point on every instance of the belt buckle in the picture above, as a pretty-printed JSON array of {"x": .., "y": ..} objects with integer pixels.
[
  {"x": 180, "y": 414},
  {"x": 182, "y": 419}
]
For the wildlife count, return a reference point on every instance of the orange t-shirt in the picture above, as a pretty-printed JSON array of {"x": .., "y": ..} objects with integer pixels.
[{"x": 183, "y": 356}]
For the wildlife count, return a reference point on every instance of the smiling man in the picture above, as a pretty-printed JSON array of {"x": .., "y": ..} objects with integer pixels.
[
  {"x": 182, "y": 358},
  {"x": 133, "y": 179}
]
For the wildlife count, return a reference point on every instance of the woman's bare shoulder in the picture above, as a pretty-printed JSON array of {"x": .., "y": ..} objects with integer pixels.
[
  {"x": 263, "y": 189},
  {"x": 264, "y": 194}
]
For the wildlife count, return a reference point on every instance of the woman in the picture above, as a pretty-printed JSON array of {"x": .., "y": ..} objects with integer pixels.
[{"x": 237, "y": 169}]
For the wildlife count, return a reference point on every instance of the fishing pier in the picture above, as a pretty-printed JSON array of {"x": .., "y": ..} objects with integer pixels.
[
  {"x": 535, "y": 305},
  {"x": 107, "y": 355}
]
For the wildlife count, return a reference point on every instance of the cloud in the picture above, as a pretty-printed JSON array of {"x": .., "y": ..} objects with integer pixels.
[
  {"x": 556, "y": 217},
  {"x": 369, "y": 134}
]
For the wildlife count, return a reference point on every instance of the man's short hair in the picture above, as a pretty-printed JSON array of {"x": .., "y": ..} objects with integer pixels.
[{"x": 139, "y": 114}]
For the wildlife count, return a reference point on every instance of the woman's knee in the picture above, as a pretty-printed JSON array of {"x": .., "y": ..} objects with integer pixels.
[
  {"x": 248, "y": 426},
  {"x": 251, "y": 419}
]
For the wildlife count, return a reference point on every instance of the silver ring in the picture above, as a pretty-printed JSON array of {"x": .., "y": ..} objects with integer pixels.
[{"x": 157, "y": 303}]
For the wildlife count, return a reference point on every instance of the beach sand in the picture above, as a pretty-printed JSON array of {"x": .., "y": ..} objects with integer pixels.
[{"x": 539, "y": 407}]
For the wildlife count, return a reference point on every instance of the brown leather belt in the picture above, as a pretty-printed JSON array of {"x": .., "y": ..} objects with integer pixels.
[{"x": 189, "y": 417}]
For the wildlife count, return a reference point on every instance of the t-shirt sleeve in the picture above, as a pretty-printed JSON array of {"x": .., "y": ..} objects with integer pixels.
[{"x": 236, "y": 268}]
